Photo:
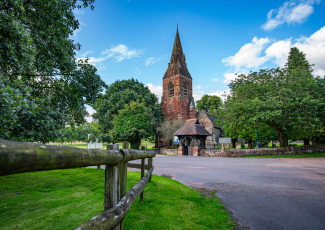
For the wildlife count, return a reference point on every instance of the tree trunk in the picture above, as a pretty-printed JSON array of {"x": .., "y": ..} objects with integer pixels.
[
  {"x": 233, "y": 143},
  {"x": 306, "y": 141},
  {"x": 250, "y": 145},
  {"x": 157, "y": 141},
  {"x": 283, "y": 138},
  {"x": 135, "y": 144}
]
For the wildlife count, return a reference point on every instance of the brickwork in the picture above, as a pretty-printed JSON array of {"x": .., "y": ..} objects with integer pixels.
[
  {"x": 176, "y": 107},
  {"x": 209, "y": 126},
  {"x": 262, "y": 151}
]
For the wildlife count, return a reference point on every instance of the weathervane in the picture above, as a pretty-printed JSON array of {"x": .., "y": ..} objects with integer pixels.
[{"x": 177, "y": 25}]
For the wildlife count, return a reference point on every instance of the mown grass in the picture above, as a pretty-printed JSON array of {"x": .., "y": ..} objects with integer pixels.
[
  {"x": 149, "y": 145},
  {"x": 309, "y": 155},
  {"x": 63, "y": 199}
]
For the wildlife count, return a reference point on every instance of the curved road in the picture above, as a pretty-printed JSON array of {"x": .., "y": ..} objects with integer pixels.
[{"x": 260, "y": 193}]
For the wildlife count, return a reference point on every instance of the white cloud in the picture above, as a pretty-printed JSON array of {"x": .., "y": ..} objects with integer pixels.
[
  {"x": 221, "y": 93},
  {"x": 197, "y": 95},
  {"x": 156, "y": 89},
  {"x": 290, "y": 12},
  {"x": 249, "y": 54},
  {"x": 198, "y": 87},
  {"x": 152, "y": 60},
  {"x": 229, "y": 77},
  {"x": 313, "y": 47},
  {"x": 86, "y": 53},
  {"x": 215, "y": 79},
  {"x": 279, "y": 51},
  {"x": 121, "y": 52}
]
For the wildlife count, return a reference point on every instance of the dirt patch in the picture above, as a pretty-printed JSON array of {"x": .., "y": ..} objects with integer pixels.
[{"x": 167, "y": 175}]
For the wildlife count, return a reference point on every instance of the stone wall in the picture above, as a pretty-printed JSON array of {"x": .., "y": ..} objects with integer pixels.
[
  {"x": 262, "y": 151},
  {"x": 168, "y": 151}
]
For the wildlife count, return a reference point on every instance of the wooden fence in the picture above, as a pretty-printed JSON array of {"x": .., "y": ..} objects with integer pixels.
[{"x": 20, "y": 157}]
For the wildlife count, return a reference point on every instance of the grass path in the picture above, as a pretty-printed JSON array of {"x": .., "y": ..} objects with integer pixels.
[{"x": 63, "y": 199}]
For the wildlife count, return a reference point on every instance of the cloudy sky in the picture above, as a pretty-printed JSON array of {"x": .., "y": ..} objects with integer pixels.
[{"x": 134, "y": 38}]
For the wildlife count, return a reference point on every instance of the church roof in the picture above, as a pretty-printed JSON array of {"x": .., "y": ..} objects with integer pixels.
[
  {"x": 177, "y": 63},
  {"x": 192, "y": 127}
]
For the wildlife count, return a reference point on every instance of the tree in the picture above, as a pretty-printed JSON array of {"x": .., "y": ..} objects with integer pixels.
[
  {"x": 281, "y": 98},
  {"x": 168, "y": 128},
  {"x": 132, "y": 124},
  {"x": 208, "y": 103},
  {"x": 44, "y": 85},
  {"x": 123, "y": 92}
]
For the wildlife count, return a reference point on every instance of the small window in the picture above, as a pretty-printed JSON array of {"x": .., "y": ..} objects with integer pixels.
[
  {"x": 185, "y": 92},
  {"x": 171, "y": 89}
]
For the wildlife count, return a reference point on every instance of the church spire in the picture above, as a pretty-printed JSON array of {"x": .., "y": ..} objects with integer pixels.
[
  {"x": 177, "y": 53},
  {"x": 177, "y": 63}
]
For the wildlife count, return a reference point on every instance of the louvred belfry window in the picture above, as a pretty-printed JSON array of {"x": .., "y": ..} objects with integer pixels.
[
  {"x": 170, "y": 89},
  {"x": 185, "y": 90}
]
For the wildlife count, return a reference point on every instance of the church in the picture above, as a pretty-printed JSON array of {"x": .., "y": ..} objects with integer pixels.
[{"x": 177, "y": 100}]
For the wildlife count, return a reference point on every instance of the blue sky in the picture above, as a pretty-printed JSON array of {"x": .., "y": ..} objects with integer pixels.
[{"x": 134, "y": 38}]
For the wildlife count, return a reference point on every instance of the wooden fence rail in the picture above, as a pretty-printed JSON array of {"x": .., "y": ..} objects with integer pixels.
[{"x": 19, "y": 157}]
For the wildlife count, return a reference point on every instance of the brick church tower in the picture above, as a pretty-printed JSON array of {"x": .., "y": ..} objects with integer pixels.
[{"x": 177, "y": 99}]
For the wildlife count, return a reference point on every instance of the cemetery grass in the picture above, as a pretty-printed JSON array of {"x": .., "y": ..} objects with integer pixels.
[
  {"x": 310, "y": 155},
  {"x": 64, "y": 199},
  {"x": 149, "y": 145}
]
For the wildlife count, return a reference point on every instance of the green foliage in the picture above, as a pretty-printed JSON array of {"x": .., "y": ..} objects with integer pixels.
[
  {"x": 43, "y": 84},
  {"x": 209, "y": 103},
  {"x": 118, "y": 95},
  {"x": 132, "y": 124},
  {"x": 282, "y": 99}
]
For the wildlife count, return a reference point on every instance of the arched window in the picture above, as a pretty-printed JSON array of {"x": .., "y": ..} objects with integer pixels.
[
  {"x": 170, "y": 89},
  {"x": 185, "y": 90}
]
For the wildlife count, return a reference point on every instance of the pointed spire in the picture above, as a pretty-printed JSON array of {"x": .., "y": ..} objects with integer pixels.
[
  {"x": 177, "y": 63},
  {"x": 177, "y": 53}
]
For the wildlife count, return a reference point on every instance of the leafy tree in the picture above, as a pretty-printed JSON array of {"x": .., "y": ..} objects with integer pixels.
[
  {"x": 168, "y": 128},
  {"x": 123, "y": 92},
  {"x": 208, "y": 103},
  {"x": 132, "y": 124},
  {"x": 44, "y": 86},
  {"x": 281, "y": 98}
]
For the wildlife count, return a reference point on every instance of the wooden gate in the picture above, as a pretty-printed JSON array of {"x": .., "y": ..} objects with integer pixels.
[
  {"x": 185, "y": 150},
  {"x": 190, "y": 151}
]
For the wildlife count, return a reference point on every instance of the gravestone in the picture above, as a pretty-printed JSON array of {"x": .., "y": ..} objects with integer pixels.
[{"x": 238, "y": 145}]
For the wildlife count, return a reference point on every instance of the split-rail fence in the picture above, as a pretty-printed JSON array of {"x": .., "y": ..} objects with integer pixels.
[{"x": 20, "y": 157}]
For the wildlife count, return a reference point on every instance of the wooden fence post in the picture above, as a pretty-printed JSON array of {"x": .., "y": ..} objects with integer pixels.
[
  {"x": 142, "y": 175},
  {"x": 123, "y": 179},
  {"x": 149, "y": 166},
  {"x": 112, "y": 184},
  {"x": 125, "y": 145}
]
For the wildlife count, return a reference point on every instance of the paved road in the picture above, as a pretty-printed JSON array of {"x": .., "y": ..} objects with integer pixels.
[{"x": 262, "y": 193}]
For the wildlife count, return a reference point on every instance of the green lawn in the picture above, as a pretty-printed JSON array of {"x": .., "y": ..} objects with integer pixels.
[
  {"x": 148, "y": 144},
  {"x": 293, "y": 156},
  {"x": 63, "y": 199}
]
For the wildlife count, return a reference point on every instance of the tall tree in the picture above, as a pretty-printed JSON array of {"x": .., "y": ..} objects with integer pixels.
[
  {"x": 282, "y": 98},
  {"x": 120, "y": 93},
  {"x": 38, "y": 66},
  {"x": 208, "y": 103},
  {"x": 132, "y": 124}
]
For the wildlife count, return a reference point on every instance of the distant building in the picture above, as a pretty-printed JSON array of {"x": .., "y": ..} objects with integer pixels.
[{"x": 177, "y": 98}]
